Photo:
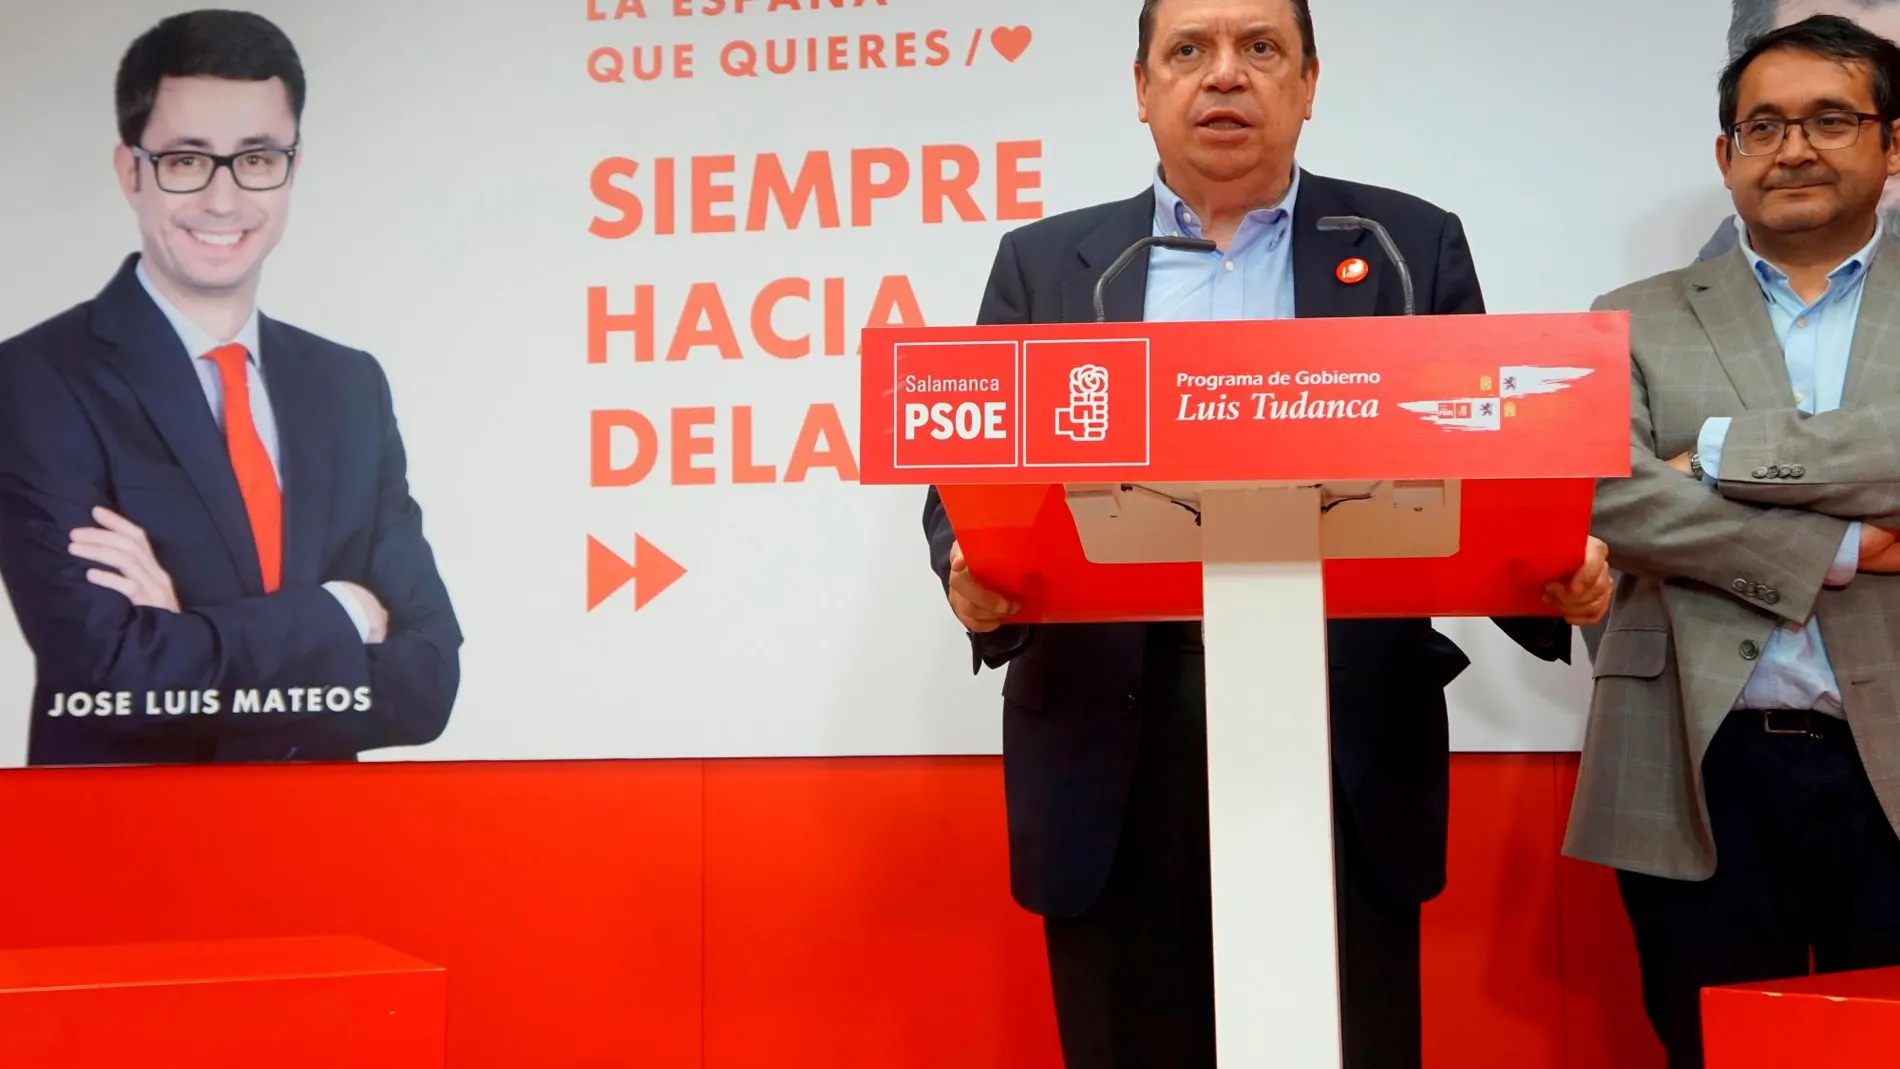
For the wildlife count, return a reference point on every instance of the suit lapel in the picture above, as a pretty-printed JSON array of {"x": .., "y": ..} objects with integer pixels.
[
  {"x": 147, "y": 354},
  {"x": 1727, "y": 301},
  {"x": 303, "y": 410},
  {"x": 1125, "y": 299},
  {"x": 1873, "y": 365},
  {"x": 1317, "y": 291}
]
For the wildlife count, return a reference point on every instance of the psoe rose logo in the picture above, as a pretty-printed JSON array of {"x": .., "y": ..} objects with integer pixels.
[{"x": 1085, "y": 417}]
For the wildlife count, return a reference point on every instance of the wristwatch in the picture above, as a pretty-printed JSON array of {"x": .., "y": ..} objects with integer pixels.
[{"x": 1695, "y": 465}]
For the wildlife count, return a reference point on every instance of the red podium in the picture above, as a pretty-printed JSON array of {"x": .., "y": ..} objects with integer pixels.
[{"x": 1261, "y": 476}]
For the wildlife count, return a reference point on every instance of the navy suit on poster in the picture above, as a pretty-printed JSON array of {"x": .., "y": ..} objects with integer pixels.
[
  {"x": 1071, "y": 726},
  {"x": 99, "y": 406}
]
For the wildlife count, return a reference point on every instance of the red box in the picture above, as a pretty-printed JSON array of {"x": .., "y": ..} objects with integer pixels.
[
  {"x": 1848, "y": 1020},
  {"x": 295, "y": 1003}
]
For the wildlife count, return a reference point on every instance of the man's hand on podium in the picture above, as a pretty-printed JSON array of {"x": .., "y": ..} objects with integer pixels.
[
  {"x": 1586, "y": 597},
  {"x": 979, "y": 608}
]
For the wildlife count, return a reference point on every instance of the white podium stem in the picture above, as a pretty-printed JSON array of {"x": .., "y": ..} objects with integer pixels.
[{"x": 1269, "y": 781}]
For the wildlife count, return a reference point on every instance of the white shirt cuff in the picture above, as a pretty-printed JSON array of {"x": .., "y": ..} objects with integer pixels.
[
  {"x": 1846, "y": 559},
  {"x": 354, "y": 608},
  {"x": 1709, "y": 447}
]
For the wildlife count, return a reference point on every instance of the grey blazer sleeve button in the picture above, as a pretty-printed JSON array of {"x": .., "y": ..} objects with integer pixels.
[
  {"x": 1786, "y": 471},
  {"x": 1741, "y": 586},
  {"x": 1797, "y": 471},
  {"x": 1760, "y": 473},
  {"x": 1770, "y": 595},
  {"x": 1750, "y": 651}
]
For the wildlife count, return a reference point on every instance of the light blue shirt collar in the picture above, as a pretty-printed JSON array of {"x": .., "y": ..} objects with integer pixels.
[
  {"x": 1854, "y": 266},
  {"x": 1174, "y": 218},
  {"x": 196, "y": 339}
]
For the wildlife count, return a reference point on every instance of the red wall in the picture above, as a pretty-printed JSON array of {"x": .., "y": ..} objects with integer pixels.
[{"x": 599, "y": 915}]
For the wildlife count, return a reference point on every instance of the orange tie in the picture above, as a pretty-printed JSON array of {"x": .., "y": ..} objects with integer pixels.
[{"x": 251, "y": 463}]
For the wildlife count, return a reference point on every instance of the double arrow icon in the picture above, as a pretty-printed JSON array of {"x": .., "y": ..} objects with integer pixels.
[{"x": 650, "y": 572}]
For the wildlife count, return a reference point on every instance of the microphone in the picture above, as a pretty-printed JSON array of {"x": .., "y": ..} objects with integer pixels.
[
  {"x": 1166, "y": 241},
  {"x": 1355, "y": 222}
]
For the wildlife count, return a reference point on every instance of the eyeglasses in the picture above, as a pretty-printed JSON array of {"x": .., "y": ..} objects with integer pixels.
[
  {"x": 188, "y": 171},
  {"x": 1823, "y": 129}
]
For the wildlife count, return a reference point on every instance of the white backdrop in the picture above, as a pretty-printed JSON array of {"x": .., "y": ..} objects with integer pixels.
[{"x": 442, "y": 222}]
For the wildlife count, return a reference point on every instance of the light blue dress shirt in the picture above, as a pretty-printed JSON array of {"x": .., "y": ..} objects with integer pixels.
[
  {"x": 198, "y": 342},
  {"x": 1793, "y": 671},
  {"x": 1251, "y": 279}
]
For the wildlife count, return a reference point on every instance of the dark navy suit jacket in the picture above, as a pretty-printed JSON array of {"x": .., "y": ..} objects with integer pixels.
[
  {"x": 1071, "y": 727},
  {"x": 100, "y": 406}
]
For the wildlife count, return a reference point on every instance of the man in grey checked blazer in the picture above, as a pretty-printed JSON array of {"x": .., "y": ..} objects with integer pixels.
[{"x": 1741, "y": 766}]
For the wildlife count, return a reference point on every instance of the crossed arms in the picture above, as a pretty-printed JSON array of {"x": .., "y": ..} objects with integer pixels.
[
  {"x": 1844, "y": 463},
  {"x": 1791, "y": 502},
  {"x": 96, "y": 602}
]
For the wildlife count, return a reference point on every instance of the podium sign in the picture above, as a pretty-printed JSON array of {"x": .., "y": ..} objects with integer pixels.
[
  {"x": 1261, "y": 476},
  {"x": 1503, "y": 421}
]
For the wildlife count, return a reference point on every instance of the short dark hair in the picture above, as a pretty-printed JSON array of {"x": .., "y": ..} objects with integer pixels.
[
  {"x": 1752, "y": 18},
  {"x": 236, "y": 45},
  {"x": 1145, "y": 34},
  {"x": 1830, "y": 37}
]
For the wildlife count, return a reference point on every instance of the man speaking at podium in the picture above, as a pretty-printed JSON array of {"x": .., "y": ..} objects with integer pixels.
[{"x": 1104, "y": 730}]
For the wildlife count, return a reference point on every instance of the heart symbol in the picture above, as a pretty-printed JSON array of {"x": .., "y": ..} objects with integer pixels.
[{"x": 1010, "y": 41}]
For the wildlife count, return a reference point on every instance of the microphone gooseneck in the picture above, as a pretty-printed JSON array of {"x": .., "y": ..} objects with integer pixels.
[{"x": 1166, "y": 241}]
